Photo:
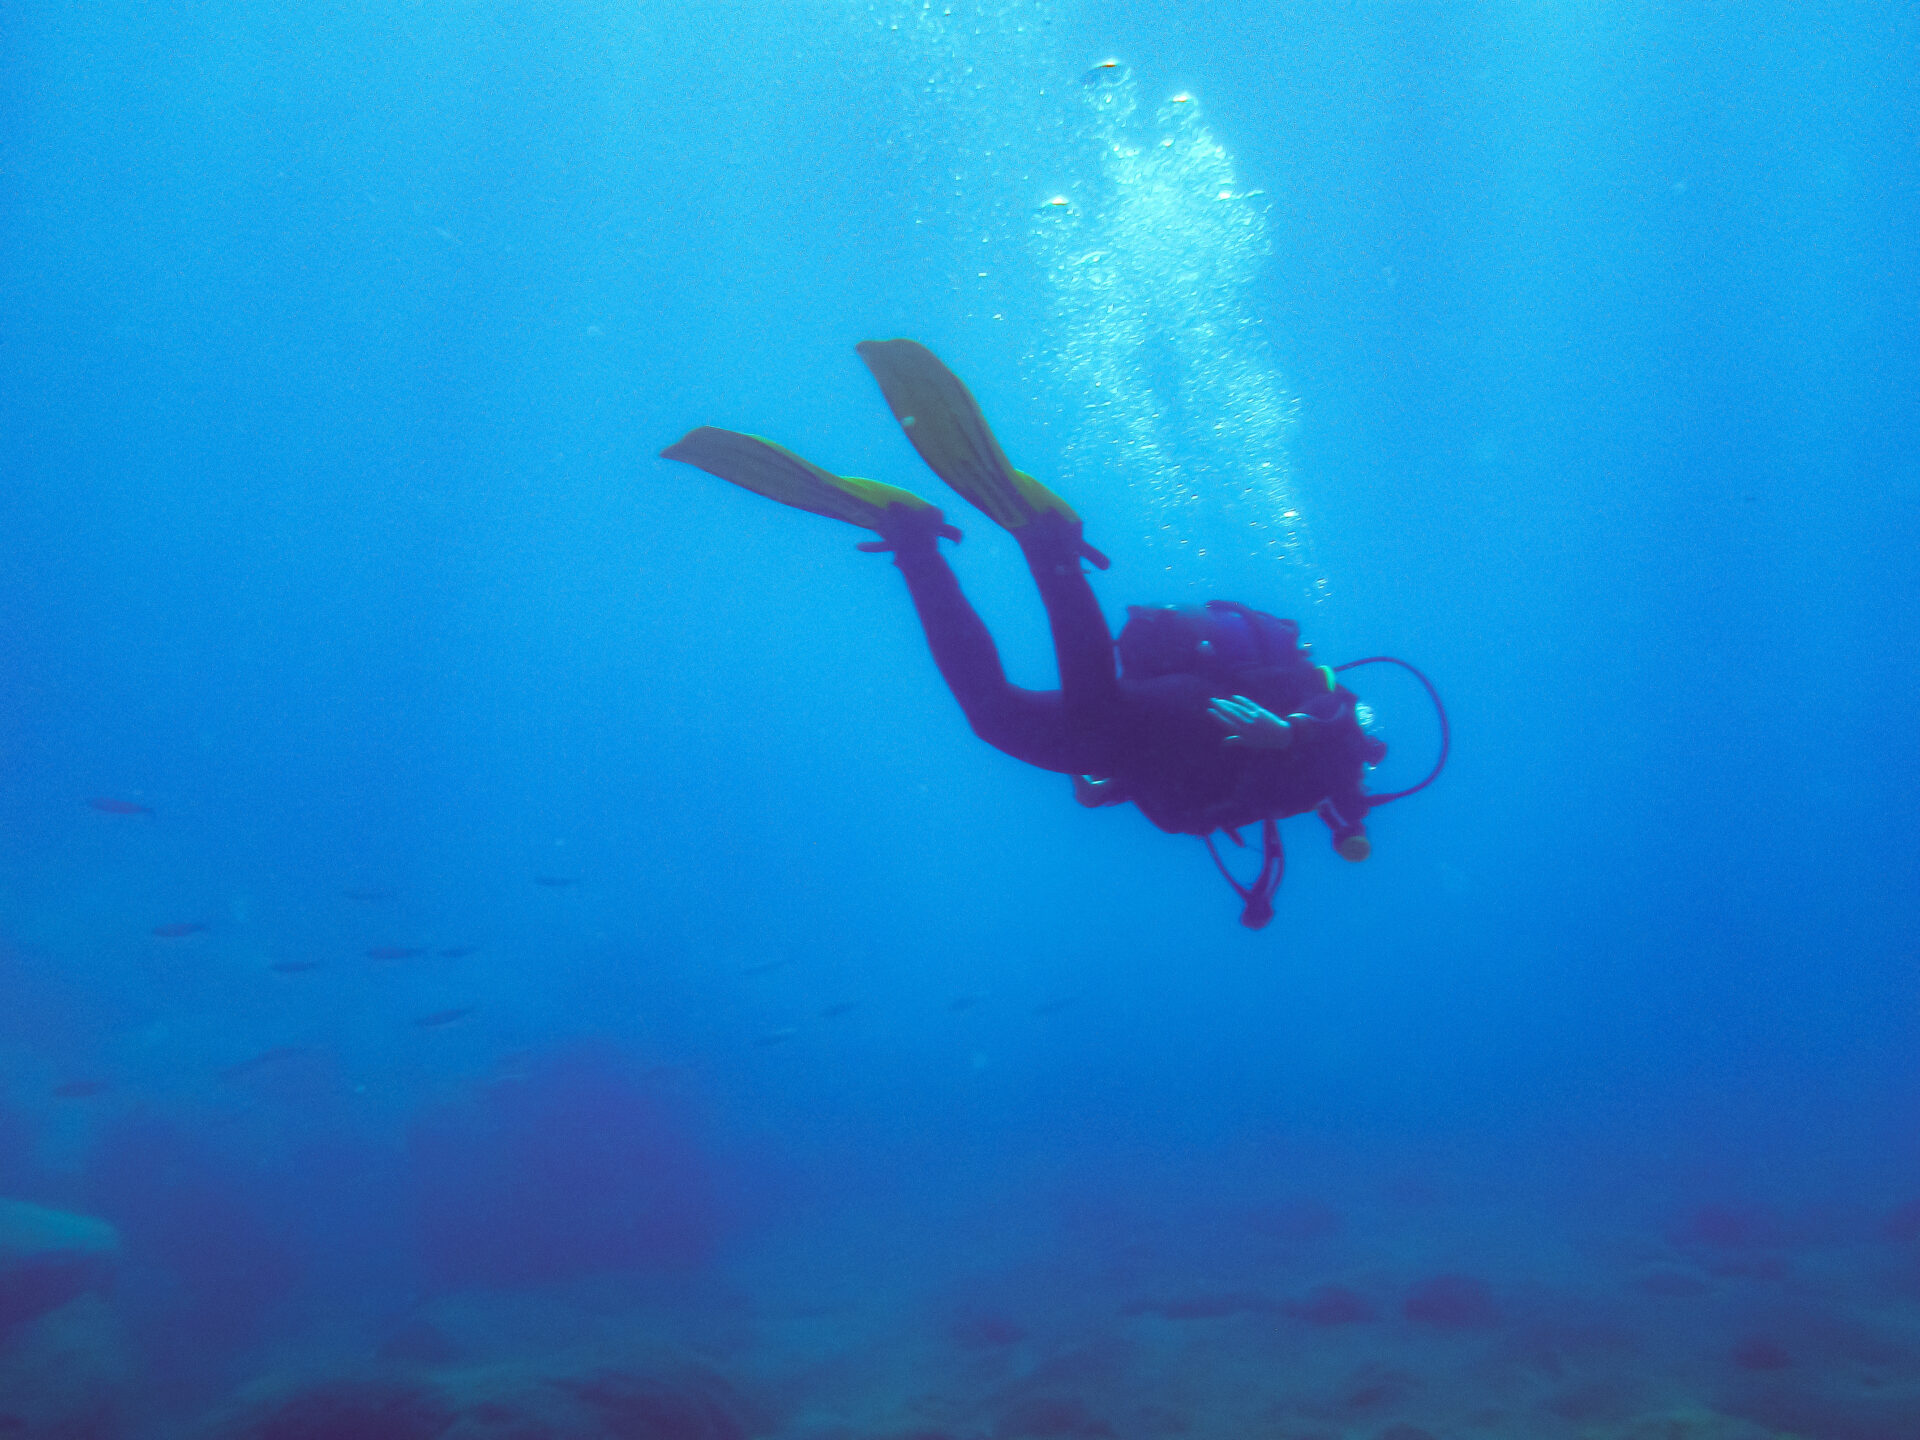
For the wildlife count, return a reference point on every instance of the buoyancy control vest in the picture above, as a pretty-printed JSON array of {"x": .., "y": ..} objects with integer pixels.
[
  {"x": 1185, "y": 656},
  {"x": 1233, "y": 649},
  {"x": 1218, "y": 641}
]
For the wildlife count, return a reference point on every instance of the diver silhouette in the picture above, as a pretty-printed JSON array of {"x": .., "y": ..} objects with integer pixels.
[{"x": 1214, "y": 717}]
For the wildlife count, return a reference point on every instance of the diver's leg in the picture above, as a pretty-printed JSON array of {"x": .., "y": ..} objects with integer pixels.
[
  {"x": 1029, "y": 725},
  {"x": 1082, "y": 643},
  {"x": 944, "y": 423}
]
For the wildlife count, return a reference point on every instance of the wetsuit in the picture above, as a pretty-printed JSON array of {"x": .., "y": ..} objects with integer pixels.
[{"x": 1153, "y": 736}]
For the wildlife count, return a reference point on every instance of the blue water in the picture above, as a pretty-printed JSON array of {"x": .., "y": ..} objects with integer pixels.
[{"x": 809, "y": 1061}]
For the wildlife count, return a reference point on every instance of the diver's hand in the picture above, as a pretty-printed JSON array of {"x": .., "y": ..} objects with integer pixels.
[{"x": 1250, "y": 724}]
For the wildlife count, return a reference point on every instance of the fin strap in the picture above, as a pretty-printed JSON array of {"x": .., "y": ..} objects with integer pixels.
[{"x": 882, "y": 546}]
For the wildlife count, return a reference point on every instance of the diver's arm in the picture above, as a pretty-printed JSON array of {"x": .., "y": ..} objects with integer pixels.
[{"x": 1250, "y": 724}]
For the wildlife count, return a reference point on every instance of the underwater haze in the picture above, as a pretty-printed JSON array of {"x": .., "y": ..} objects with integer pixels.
[{"x": 505, "y": 935}]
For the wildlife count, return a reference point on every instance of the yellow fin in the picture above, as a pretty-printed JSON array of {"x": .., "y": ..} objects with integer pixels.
[
  {"x": 759, "y": 465},
  {"x": 944, "y": 423},
  {"x": 1041, "y": 498}
]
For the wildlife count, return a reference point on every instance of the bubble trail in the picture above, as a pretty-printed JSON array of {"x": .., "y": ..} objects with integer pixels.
[{"x": 1150, "y": 260}]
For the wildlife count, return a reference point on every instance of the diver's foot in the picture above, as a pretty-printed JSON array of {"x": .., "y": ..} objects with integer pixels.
[
  {"x": 909, "y": 528},
  {"x": 1051, "y": 541},
  {"x": 777, "y": 473},
  {"x": 946, "y": 426}
]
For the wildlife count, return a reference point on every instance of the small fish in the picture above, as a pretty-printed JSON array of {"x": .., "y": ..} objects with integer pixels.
[
  {"x": 265, "y": 1060},
  {"x": 178, "y": 928},
  {"x": 395, "y": 952},
  {"x": 556, "y": 882},
  {"x": 776, "y": 1037},
  {"x": 81, "y": 1089},
  {"x": 443, "y": 1017},
  {"x": 456, "y": 952},
  {"x": 369, "y": 894},
  {"x": 294, "y": 967},
  {"x": 839, "y": 1007},
  {"x": 107, "y": 805}
]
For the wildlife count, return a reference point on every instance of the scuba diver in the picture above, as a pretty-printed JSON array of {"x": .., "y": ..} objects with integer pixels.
[{"x": 1214, "y": 718}]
